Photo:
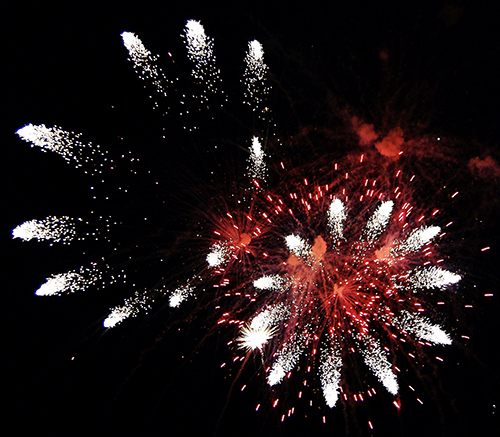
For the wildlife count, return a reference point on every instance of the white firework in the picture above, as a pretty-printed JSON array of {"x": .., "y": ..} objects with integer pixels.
[
  {"x": 180, "y": 294},
  {"x": 256, "y": 165},
  {"x": 298, "y": 294},
  {"x": 145, "y": 63},
  {"x": 130, "y": 308},
  {"x": 329, "y": 371},
  {"x": 254, "y": 77},
  {"x": 293, "y": 315},
  {"x": 69, "y": 282},
  {"x": 56, "y": 229},
  {"x": 62, "y": 229},
  {"x": 66, "y": 144},
  {"x": 200, "y": 49},
  {"x": 336, "y": 217},
  {"x": 219, "y": 255}
]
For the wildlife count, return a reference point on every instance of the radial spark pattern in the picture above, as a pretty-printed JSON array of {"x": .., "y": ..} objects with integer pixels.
[
  {"x": 337, "y": 283},
  {"x": 310, "y": 263}
]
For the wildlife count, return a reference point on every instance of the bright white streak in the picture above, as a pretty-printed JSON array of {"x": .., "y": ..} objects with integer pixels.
[
  {"x": 336, "y": 216},
  {"x": 329, "y": 372},
  {"x": 417, "y": 239},
  {"x": 269, "y": 282},
  {"x": 117, "y": 315},
  {"x": 57, "y": 229},
  {"x": 254, "y": 75},
  {"x": 378, "y": 221},
  {"x": 199, "y": 46},
  {"x": 422, "y": 328},
  {"x": 376, "y": 359},
  {"x": 255, "y": 61},
  {"x": 270, "y": 316},
  {"x": 200, "y": 49},
  {"x": 69, "y": 282},
  {"x": 219, "y": 254},
  {"x": 256, "y": 164},
  {"x": 180, "y": 295},
  {"x": 53, "y": 139},
  {"x": 287, "y": 359},
  {"x": 66, "y": 144},
  {"x": 130, "y": 308},
  {"x": 432, "y": 277},
  {"x": 144, "y": 62},
  {"x": 298, "y": 246}
]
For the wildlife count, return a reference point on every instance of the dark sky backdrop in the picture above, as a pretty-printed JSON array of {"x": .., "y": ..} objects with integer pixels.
[{"x": 66, "y": 66}]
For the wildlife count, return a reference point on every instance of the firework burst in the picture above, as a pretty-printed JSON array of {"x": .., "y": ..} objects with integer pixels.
[
  {"x": 349, "y": 266},
  {"x": 312, "y": 264}
]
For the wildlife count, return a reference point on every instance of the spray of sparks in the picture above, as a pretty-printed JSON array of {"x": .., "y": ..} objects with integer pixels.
[{"x": 319, "y": 284}]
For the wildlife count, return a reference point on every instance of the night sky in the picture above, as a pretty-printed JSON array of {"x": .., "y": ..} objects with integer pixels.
[{"x": 430, "y": 68}]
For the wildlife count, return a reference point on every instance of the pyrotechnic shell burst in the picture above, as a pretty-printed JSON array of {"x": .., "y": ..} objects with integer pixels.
[
  {"x": 314, "y": 263},
  {"x": 348, "y": 267}
]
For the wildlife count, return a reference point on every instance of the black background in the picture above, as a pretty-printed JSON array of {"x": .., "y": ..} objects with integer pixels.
[{"x": 65, "y": 65}]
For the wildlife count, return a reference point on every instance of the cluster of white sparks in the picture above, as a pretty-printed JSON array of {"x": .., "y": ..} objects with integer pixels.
[
  {"x": 62, "y": 229},
  {"x": 180, "y": 294},
  {"x": 140, "y": 302},
  {"x": 220, "y": 254},
  {"x": 336, "y": 218},
  {"x": 145, "y": 63},
  {"x": 264, "y": 325},
  {"x": 56, "y": 229},
  {"x": 200, "y": 49},
  {"x": 70, "y": 282},
  {"x": 429, "y": 277},
  {"x": 257, "y": 167},
  {"x": 254, "y": 77},
  {"x": 66, "y": 144}
]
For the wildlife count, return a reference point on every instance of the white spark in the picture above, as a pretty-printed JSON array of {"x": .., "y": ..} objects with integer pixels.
[
  {"x": 262, "y": 327},
  {"x": 144, "y": 62},
  {"x": 417, "y": 239},
  {"x": 199, "y": 46},
  {"x": 200, "y": 49},
  {"x": 256, "y": 165},
  {"x": 69, "y": 282},
  {"x": 287, "y": 358},
  {"x": 336, "y": 216},
  {"x": 376, "y": 359},
  {"x": 421, "y": 328},
  {"x": 130, "y": 308},
  {"x": 298, "y": 246},
  {"x": 57, "y": 229},
  {"x": 66, "y": 144},
  {"x": 270, "y": 316},
  {"x": 378, "y": 221},
  {"x": 269, "y": 282},
  {"x": 254, "y": 76},
  {"x": 179, "y": 295},
  {"x": 255, "y": 61},
  {"x": 432, "y": 277},
  {"x": 329, "y": 371},
  {"x": 219, "y": 254},
  {"x": 255, "y": 338}
]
